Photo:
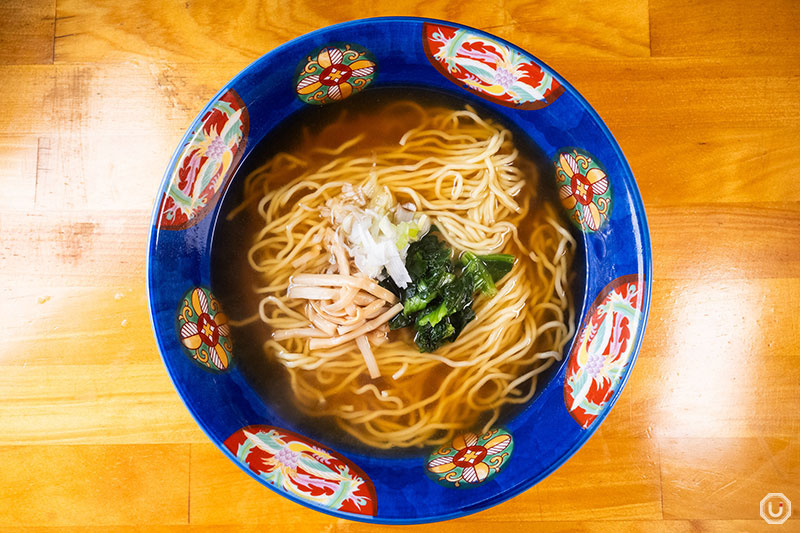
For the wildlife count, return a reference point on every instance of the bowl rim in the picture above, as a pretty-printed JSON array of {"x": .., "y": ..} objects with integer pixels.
[{"x": 645, "y": 257}]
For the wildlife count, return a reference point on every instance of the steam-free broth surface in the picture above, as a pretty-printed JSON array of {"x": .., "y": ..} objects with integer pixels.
[{"x": 326, "y": 168}]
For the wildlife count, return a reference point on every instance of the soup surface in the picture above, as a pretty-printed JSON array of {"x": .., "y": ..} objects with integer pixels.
[{"x": 395, "y": 270}]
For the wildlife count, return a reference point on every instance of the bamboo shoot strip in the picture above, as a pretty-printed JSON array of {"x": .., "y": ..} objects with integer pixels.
[
  {"x": 337, "y": 280},
  {"x": 315, "y": 344}
]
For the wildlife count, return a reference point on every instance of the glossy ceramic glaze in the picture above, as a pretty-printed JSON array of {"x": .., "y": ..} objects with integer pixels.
[{"x": 595, "y": 186}]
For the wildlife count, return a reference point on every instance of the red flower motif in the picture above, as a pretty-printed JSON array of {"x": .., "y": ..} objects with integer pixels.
[
  {"x": 334, "y": 74},
  {"x": 471, "y": 458},
  {"x": 203, "y": 330},
  {"x": 586, "y": 185}
]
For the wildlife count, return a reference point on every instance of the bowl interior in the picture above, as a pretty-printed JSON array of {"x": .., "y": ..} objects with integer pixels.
[
  {"x": 195, "y": 254},
  {"x": 233, "y": 235}
]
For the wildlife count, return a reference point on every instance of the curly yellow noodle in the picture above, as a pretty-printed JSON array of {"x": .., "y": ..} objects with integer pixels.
[{"x": 461, "y": 171}]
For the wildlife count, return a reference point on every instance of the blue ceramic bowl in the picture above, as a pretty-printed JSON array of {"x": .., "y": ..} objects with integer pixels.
[{"x": 597, "y": 192}]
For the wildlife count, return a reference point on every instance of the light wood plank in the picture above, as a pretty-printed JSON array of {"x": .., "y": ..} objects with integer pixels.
[
  {"x": 189, "y": 32},
  {"x": 555, "y": 29},
  {"x": 760, "y": 241},
  {"x": 29, "y": 91},
  {"x": 27, "y": 31},
  {"x": 684, "y": 93},
  {"x": 626, "y": 469},
  {"x": 113, "y": 320},
  {"x": 93, "y": 404},
  {"x": 82, "y": 123},
  {"x": 73, "y": 248},
  {"x": 699, "y": 130},
  {"x": 687, "y": 318},
  {"x": 699, "y": 374},
  {"x": 133, "y": 97},
  {"x": 690, "y": 394},
  {"x": 223, "y": 494},
  {"x": 192, "y": 31},
  {"x": 725, "y": 479},
  {"x": 18, "y": 160},
  {"x": 96, "y": 172},
  {"x": 476, "y": 522},
  {"x": 724, "y": 28},
  {"x": 94, "y": 485}
]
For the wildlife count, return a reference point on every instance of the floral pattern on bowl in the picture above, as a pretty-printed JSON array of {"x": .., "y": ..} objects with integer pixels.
[
  {"x": 489, "y": 68},
  {"x": 334, "y": 73},
  {"x": 304, "y": 468},
  {"x": 206, "y": 163},
  {"x": 603, "y": 348},
  {"x": 471, "y": 459},
  {"x": 584, "y": 188},
  {"x": 204, "y": 329}
]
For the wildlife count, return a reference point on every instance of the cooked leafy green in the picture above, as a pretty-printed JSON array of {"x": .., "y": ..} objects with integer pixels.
[
  {"x": 458, "y": 294},
  {"x": 431, "y": 317},
  {"x": 401, "y": 320},
  {"x": 428, "y": 260},
  {"x": 389, "y": 284},
  {"x": 485, "y": 270},
  {"x": 460, "y": 320},
  {"x": 438, "y": 301},
  {"x": 428, "y": 263},
  {"x": 498, "y": 265},
  {"x": 418, "y": 297},
  {"x": 476, "y": 271},
  {"x": 430, "y": 338}
]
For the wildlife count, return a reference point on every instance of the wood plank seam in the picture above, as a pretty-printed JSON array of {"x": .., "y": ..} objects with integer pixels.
[
  {"x": 55, "y": 21},
  {"x": 649, "y": 28},
  {"x": 660, "y": 475}
]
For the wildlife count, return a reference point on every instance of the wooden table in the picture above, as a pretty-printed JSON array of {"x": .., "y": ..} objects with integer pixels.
[{"x": 704, "y": 98}]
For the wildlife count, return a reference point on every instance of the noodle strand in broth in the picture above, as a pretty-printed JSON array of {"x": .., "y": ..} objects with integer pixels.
[{"x": 464, "y": 173}]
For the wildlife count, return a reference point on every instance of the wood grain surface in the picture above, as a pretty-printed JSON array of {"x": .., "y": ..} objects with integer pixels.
[{"x": 703, "y": 97}]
